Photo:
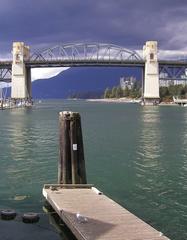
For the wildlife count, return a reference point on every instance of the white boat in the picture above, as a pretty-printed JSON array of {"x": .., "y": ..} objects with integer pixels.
[{"x": 181, "y": 102}]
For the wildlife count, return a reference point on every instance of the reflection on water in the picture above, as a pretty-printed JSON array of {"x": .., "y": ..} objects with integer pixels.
[
  {"x": 26, "y": 143},
  {"x": 160, "y": 170},
  {"x": 18, "y": 230},
  {"x": 148, "y": 163},
  {"x": 184, "y": 154},
  {"x": 149, "y": 148},
  {"x": 150, "y": 136}
]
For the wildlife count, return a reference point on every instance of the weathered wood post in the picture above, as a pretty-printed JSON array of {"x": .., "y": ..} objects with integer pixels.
[
  {"x": 1, "y": 104},
  {"x": 71, "y": 168}
]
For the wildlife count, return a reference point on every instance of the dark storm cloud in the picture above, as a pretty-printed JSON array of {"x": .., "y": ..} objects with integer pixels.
[{"x": 125, "y": 22}]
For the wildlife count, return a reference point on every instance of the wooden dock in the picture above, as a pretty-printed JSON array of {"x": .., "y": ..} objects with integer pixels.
[{"x": 91, "y": 215}]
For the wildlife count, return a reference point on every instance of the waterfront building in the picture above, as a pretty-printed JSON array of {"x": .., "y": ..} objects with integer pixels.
[
  {"x": 169, "y": 82},
  {"x": 166, "y": 82},
  {"x": 127, "y": 82}
]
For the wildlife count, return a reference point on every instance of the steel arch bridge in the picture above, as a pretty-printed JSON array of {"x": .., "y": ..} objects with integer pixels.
[
  {"x": 94, "y": 54},
  {"x": 85, "y": 53}
]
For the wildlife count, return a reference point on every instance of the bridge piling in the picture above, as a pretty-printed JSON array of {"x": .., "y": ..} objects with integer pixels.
[
  {"x": 151, "y": 75},
  {"x": 21, "y": 75}
]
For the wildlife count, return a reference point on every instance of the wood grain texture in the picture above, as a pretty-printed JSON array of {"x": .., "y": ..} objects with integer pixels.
[{"x": 106, "y": 220}]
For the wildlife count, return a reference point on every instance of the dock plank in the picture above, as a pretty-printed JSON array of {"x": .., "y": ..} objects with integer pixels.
[{"x": 106, "y": 220}]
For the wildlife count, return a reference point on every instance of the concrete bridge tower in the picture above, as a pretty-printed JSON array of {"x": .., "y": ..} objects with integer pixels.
[
  {"x": 21, "y": 76},
  {"x": 151, "y": 75}
]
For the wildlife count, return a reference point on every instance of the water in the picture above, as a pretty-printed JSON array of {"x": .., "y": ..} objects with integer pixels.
[{"x": 136, "y": 155}]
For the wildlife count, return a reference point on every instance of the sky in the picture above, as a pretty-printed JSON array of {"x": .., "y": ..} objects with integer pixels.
[{"x": 128, "y": 23}]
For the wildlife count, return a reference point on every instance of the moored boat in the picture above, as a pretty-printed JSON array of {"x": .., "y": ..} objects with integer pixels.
[{"x": 181, "y": 102}]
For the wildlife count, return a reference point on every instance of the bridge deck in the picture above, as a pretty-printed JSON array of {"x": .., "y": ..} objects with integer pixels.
[
  {"x": 105, "y": 219},
  {"x": 90, "y": 62}
]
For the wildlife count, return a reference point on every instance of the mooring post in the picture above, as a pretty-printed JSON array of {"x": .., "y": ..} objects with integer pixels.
[
  {"x": 64, "y": 171},
  {"x": 71, "y": 168}
]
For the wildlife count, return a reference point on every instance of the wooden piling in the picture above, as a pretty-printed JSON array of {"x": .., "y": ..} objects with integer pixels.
[
  {"x": 1, "y": 104},
  {"x": 74, "y": 155},
  {"x": 80, "y": 153},
  {"x": 71, "y": 168}
]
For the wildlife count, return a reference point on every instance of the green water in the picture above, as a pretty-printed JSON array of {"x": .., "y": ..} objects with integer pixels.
[{"x": 136, "y": 155}]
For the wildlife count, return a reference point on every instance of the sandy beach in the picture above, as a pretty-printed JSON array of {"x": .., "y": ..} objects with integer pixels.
[{"x": 127, "y": 100}]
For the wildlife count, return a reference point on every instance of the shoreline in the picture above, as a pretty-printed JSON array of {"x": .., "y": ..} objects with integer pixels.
[
  {"x": 113, "y": 100},
  {"x": 126, "y": 100}
]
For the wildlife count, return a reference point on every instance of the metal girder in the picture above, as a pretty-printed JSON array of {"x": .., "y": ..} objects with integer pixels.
[
  {"x": 86, "y": 51},
  {"x": 81, "y": 63},
  {"x": 7, "y": 80},
  {"x": 169, "y": 72},
  {"x": 6, "y": 64},
  {"x": 5, "y": 75}
]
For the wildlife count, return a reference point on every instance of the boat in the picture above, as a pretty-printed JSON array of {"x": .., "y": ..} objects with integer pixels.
[
  {"x": 181, "y": 102},
  {"x": 1, "y": 99}
]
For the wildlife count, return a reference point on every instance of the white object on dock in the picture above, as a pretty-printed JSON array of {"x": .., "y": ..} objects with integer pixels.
[
  {"x": 96, "y": 191},
  {"x": 81, "y": 218}
]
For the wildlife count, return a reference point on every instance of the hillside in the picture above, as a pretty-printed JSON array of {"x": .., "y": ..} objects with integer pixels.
[{"x": 87, "y": 81}]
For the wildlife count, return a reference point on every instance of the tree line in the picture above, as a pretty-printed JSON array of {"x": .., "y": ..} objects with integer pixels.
[
  {"x": 166, "y": 93},
  {"x": 118, "y": 92}
]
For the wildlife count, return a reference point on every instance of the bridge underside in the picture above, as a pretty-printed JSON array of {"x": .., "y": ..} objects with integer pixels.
[
  {"x": 166, "y": 72},
  {"x": 5, "y": 74}
]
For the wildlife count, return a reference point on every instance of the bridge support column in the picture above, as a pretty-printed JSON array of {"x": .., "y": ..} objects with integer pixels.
[
  {"x": 151, "y": 74},
  {"x": 21, "y": 75}
]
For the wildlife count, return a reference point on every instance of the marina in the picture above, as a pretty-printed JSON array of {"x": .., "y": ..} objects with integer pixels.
[
  {"x": 181, "y": 102},
  {"x": 8, "y": 103}
]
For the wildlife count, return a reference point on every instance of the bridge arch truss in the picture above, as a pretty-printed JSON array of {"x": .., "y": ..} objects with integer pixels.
[{"x": 86, "y": 51}]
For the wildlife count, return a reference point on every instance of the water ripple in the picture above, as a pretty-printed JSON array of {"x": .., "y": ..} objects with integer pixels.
[{"x": 136, "y": 155}]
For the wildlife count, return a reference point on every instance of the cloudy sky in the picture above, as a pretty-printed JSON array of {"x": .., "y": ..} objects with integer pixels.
[{"x": 129, "y": 23}]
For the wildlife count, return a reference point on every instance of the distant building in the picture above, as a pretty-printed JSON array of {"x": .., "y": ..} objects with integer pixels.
[
  {"x": 168, "y": 82},
  {"x": 127, "y": 82}
]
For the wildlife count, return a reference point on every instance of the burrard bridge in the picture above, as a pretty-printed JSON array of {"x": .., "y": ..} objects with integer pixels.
[{"x": 18, "y": 70}]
